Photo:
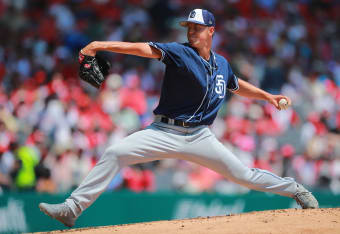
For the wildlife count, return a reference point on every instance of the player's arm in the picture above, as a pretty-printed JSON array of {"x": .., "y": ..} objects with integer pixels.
[
  {"x": 139, "y": 48},
  {"x": 250, "y": 91}
]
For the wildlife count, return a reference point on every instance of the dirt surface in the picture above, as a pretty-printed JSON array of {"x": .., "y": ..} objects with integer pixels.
[{"x": 275, "y": 221}]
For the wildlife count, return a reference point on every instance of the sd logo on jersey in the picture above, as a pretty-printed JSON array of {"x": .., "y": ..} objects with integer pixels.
[{"x": 220, "y": 87}]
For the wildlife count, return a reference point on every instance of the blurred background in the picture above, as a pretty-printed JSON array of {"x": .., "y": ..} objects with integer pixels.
[{"x": 54, "y": 127}]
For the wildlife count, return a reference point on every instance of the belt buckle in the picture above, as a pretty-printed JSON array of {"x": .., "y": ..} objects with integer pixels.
[{"x": 185, "y": 124}]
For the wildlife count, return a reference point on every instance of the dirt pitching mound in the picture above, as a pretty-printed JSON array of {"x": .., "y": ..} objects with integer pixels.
[{"x": 273, "y": 221}]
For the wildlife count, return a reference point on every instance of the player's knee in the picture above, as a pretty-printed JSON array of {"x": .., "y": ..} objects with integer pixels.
[
  {"x": 112, "y": 154},
  {"x": 251, "y": 175}
]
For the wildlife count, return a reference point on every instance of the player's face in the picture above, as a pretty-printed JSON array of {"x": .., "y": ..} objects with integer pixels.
[{"x": 198, "y": 35}]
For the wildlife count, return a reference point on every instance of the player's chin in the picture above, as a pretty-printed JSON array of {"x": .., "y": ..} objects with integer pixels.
[{"x": 194, "y": 43}]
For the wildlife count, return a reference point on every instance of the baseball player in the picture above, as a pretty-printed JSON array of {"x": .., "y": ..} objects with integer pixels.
[{"x": 195, "y": 83}]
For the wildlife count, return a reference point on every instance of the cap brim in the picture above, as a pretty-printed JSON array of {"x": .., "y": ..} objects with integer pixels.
[{"x": 185, "y": 23}]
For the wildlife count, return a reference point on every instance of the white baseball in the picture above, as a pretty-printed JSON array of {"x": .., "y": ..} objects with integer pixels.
[{"x": 283, "y": 104}]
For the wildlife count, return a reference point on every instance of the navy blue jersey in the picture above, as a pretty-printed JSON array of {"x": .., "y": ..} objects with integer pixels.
[{"x": 193, "y": 89}]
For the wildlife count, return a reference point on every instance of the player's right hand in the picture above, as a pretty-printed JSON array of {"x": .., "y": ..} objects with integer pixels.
[{"x": 275, "y": 99}]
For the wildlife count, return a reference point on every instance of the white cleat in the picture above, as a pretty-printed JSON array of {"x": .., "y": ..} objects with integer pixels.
[
  {"x": 305, "y": 198},
  {"x": 60, "y": 212}
]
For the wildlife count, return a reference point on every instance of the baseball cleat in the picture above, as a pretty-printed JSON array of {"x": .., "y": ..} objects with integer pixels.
[
  {"x": 60, "y": 212},
  {"x": 305, "y": 198}
]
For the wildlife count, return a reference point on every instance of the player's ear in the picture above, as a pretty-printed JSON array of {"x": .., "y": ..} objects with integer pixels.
[{"x": 211, "y": 31}]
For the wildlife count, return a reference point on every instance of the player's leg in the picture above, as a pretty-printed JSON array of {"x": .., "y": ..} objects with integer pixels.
[
  {"x": 206, "y": 150},
  {"x": 143, "y": 146}
]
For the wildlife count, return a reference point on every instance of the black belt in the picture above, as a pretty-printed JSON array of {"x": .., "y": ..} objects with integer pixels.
[{"x": 179, "y": 123}]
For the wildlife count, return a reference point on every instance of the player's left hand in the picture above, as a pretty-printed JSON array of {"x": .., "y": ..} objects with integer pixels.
[
  {"x": 274, "y": 100},
  {"x": 93, "y": 69},
  {"x": 90, "y": 49}
]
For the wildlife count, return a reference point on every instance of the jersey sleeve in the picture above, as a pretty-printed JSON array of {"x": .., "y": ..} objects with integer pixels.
[
  {"x": 172, "y": 53},
  {"x": 232, "y": 80}
]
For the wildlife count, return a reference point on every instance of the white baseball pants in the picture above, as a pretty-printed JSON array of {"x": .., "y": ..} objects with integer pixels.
[{"x": 160, "y": 141}]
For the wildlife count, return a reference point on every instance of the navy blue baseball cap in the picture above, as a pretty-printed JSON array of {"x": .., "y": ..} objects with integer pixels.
[{"x": 199, "y": 16}]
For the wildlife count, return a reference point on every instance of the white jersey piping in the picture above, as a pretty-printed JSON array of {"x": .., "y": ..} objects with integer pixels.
[{"x": 201, "y": 102}]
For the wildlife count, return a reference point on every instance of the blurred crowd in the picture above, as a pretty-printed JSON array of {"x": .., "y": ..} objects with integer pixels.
[{"x": 54, "y": 127}]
